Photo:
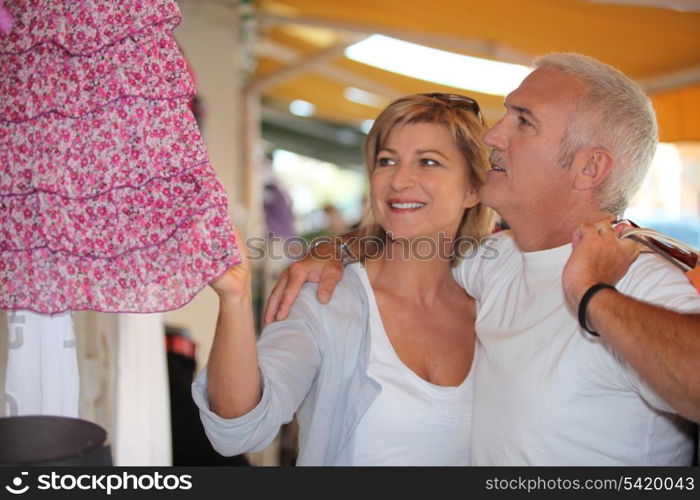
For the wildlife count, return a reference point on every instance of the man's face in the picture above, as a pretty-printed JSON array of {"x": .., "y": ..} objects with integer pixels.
[{"x": 526, "y": 179}]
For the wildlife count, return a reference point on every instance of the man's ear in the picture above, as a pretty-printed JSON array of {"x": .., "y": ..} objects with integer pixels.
[{"x": 593, "y": 165}]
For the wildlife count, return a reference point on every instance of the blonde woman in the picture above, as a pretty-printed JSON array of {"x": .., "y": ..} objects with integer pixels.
[{"x": 381, "y": 374}]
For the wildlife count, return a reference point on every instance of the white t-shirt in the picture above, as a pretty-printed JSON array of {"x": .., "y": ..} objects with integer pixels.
[
  {"x": 548, "y": 393},
  {"x": 411, "y": 422}
]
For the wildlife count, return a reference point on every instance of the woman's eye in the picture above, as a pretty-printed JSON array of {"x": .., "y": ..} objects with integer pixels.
[
  {"x": 385, "y": 162},
  {"x": 428, "y": 162}
]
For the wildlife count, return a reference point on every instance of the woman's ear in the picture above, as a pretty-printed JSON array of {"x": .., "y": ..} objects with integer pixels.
[
  {"x": 471, "y": 199},
  {"x": 593, "y": 165}
]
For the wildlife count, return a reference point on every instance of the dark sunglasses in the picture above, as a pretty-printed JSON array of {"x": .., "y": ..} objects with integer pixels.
[
  {"x": 680, "y": 254},
  {"x": 458, "y": 101}
]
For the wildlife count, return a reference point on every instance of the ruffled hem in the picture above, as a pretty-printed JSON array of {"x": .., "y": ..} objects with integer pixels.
[
  {"x": 81, "y": 27},
  {"x": 125, "y": 144},
  {"x": 157, "y": 278},
  {"x": 107, "y": 198},
  {"x": 113, "y": 223},
  {"x": 45, "y": 80}
]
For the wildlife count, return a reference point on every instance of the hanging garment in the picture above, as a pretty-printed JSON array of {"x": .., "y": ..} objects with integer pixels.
[
  {"x": 108, "y": 200},
  {"x": 42, "y": 372}
]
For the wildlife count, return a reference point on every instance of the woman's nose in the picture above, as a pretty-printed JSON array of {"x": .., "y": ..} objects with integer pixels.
[{"x": 403, "y": 177}]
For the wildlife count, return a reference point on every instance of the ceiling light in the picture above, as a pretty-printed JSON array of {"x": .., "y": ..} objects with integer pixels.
[
  {"x": 363, "y": 97},
  {"x": 302, "y": 108},
  {"x": 366, "y": 126},
  {"x": 438, "y": 66}
]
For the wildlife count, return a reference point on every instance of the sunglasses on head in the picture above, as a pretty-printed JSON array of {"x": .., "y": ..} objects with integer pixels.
[{"x": 458, "y": 101}]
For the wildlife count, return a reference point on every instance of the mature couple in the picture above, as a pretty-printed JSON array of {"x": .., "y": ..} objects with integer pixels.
[{"x": 564, "y": 350}]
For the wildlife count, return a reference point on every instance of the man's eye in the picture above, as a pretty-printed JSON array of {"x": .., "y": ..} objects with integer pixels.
[
  {"x": 385, "y": 162},
  {"x": 523, "y": 121}
]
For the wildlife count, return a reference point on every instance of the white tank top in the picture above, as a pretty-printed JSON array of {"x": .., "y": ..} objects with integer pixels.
[{"x": 411, "y": 422}]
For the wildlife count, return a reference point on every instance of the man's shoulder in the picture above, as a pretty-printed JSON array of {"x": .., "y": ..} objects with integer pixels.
[
  {"x": 484, "y": 260},
  {"x": 489, "y": 248},
  {"x": 654, "y": 279},
  {"x": 504, "y": 237},
  {"x": 651, "y": 266}
]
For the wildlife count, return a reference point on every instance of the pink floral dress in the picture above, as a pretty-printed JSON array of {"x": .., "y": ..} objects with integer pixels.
[{"x": 108, "y": 200}]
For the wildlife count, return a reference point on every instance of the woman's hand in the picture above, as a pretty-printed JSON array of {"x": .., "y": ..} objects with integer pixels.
[
  {"x": 236, "y": 281},
  {"x": 233, "y": 374}
]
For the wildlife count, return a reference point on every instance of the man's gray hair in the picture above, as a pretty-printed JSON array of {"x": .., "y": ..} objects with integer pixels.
[{"x": 614, "y": 114}]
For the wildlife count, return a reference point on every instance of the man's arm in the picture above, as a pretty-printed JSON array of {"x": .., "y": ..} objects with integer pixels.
[
  {"x": 323, "y": 265},
  {"x": 662, "y": 346}
]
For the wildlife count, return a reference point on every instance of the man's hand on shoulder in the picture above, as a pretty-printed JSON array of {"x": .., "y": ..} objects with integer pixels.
[
  {"x": 322, "y": 265},
  {"x": 599, "y": 256}
]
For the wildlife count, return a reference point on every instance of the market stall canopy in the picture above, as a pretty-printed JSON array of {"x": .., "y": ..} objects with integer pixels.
[{"x": 300, "y": 49}]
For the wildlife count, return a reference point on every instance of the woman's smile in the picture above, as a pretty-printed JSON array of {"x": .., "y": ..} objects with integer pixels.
[{"x": 397, "y": 206}]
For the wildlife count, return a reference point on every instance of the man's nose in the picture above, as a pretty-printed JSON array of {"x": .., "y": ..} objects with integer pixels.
[{"x": 495, "y": 136}]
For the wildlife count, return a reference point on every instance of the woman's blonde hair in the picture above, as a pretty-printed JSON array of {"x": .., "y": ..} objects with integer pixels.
[{"x": 463, "y": 120}]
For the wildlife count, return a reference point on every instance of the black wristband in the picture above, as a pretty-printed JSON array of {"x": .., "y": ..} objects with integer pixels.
[{"x": 583, "y": 305}]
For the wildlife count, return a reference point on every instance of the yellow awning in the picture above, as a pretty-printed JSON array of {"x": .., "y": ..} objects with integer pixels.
[
  {"x": 678, "y": 113},
  {"x": 649, "y": 44}
]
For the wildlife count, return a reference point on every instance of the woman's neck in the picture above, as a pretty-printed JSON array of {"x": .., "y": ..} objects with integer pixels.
[{"x": 410, "y": 276}]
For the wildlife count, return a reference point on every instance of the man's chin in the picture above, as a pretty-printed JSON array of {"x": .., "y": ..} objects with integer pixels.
[{"x": 488, "y": 196}]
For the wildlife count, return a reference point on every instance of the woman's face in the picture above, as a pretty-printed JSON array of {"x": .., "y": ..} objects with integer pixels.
[{"x": 420, "y": 185}]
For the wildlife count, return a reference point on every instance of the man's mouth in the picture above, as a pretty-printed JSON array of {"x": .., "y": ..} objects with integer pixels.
[{"x": 495, "y": 162}]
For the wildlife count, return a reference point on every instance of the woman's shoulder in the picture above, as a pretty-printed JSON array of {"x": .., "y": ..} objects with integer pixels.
[
  {"x": 339, "y": 321},
  {"x": 348, "y": 296}
]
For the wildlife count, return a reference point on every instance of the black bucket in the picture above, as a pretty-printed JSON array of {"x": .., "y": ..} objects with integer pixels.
[{"x": 52, "y": 440}]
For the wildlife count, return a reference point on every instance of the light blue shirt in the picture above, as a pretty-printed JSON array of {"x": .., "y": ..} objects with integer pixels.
[{"x": 316, "y": 361}]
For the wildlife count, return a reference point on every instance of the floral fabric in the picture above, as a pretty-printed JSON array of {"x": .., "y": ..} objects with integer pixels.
[{"x": 108, "y": 200}]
